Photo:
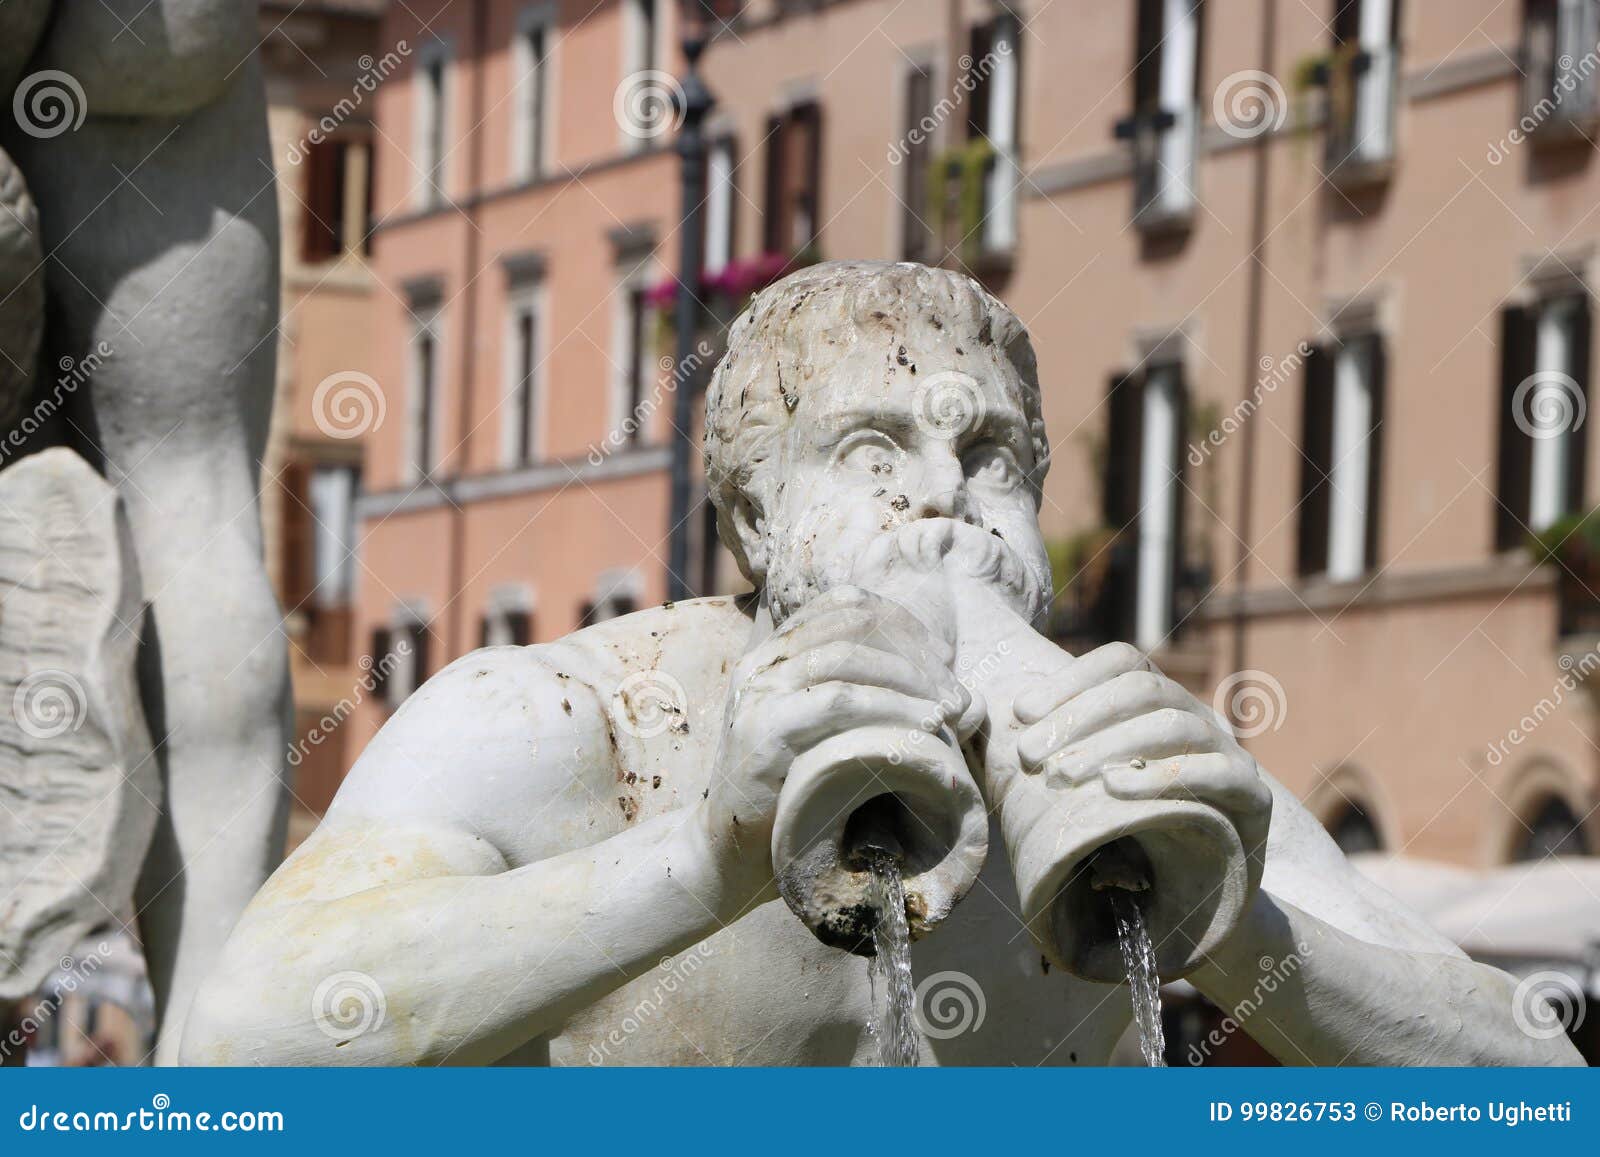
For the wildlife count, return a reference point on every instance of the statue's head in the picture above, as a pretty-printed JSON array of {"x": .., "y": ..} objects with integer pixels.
[{"x": 857, "y": 398}]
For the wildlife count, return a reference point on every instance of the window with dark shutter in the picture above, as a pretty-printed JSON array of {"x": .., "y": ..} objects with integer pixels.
[
  {"x": 1316, "y": 461},
  {"x": 1513, "y": 481},
  {"x": 323, "y": 225},
  {"x": 1377, "y": 362},
  {"x": 1120, "y": 500},
  {"x": 916, "y": 235},
  {"x": 794, "y": 180}
]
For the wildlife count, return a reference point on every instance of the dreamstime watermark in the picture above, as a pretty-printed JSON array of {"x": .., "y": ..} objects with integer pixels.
[
  {"x": 648, "y": 104},
  {"x": 347, "y": 1005},
  {"x": 372, "y": 678},
  {"x": 947, "y": 1004},
  {"x": 1248, "y": 103},
  {"x": 1547, "y": 1004},
  {"x": 74, "y": 372},
  {"x": 1573, "y": 674},
  {"x": 348, "y": 404},
  {"x": 648, "y": 703},
  {"x": 676, "y": 375},
  {"x": 70, "y": 976},
  {"x": 1274, "y": 372},
  {"x": 49, "y": 703},
  {"x": 948, "y": 405},
  {"x": 675, "y": 972},
  {"x": 373, "y": 73},
  {"x": 49, "y": 103},
  {"x": 1548, "y": 404},
  {"x": 1568, "y": 83},
  {"x": 1273, "y": 973},
  {"x": 973, "y": 74},
  {"x": 970, "y": 674},
  {"x": 1252, "y": 703}
]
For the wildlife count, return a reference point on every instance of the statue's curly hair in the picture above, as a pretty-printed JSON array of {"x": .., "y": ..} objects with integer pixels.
[{"x": 791, "y": 325}]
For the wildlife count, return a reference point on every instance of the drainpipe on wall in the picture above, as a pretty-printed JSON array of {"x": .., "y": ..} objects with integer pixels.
[
  {"x": 455, "y": 635},
  {"x": 1261, "y": 147}
]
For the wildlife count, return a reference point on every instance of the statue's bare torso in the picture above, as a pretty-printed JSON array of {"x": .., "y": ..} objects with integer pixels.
[{"x": 763, "y": 990}]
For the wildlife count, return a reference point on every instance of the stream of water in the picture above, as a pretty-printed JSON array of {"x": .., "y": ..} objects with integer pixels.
[
  {"x": 894, "y": 1016},
  {"x": 1139, "y": 958}
]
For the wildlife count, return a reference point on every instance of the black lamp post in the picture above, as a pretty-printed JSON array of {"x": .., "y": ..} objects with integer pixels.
[{"x": 691, "y": 148}]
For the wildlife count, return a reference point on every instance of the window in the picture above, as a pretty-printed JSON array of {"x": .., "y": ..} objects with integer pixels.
[
  {"x": 794, "y": 161},
  {"x": 1558, "y": 45},
  {"x": 399, "y": 656},
  {"x": 523, "y": 401},
  {"x": 641, "y": 31},
  {"x": 916, "y": 236},
  {"x": 719, "y": 205},
  {"x": 1362, "y": 75},
  {"x": 531, "y": 124},
  {"x": 1554, "y": 830},
  {"x": 423, "y": 395},
  {"x": 432, "y": 101},
  {"x": 1143, "y": 493},
  {"x": 1341, "y": 459},
  {"x": 636, "y": 365},
  {"x": 1544, "y": 382},
  {"x": 508, "y": 619},
  {"x": 992, "y": 117},
  {"x": 333, "y": 507},
  {"x": 337, "y": 198},
  {"x": 616, "y": 594},
  {"x": 1161, "y": 128},
  {"x": 1354, "y": 830}
]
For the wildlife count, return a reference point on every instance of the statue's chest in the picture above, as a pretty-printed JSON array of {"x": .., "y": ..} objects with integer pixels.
[{"x": 764, "y": 991}]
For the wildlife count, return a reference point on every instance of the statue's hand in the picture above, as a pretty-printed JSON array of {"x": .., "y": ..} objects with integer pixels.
[
  {"x": 1112, "y": 714},
  {"x": 847, "y": 659}
]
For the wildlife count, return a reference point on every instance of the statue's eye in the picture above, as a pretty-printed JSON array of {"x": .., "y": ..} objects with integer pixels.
[
  {"x": 875, "y": 456},
  {"x": 992, "y": 466}
]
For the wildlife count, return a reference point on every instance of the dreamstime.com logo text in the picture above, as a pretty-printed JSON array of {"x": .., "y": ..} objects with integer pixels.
[
  {"x": 1571, "y": 80},
  {"x": 372, "y": 678},
  {"x": 1573, "y": 674},
  {"x": 973, "y": 74},
  {"x": 373, "y": 73},
  {"x": 674, "y": 972},
  {"x": 69, "y": 977},
  {"x": 1274, "y": 372},
  {"x": 74, "y": 372},
  {"x": 159, "y": 1117},
  {"x": 676, "y": 375},
  {"x": 1273, "y": 973}
]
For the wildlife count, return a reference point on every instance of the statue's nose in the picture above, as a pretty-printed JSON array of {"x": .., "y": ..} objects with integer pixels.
[{"x": 943, "y": 493}]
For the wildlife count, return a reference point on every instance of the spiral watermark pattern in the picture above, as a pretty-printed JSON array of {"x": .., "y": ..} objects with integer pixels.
[
  {"x": 647, "y": 703},
  {"x": 648, "y": 104},
  {"x": 948, "y": 405},
  {"x": 49, "y": 103},
  {"x": 1253, "y": 703},
  {"x": 49, "y": 703},
  {"x": 1249, "y": 103},
  {"x": 348, "y": 1004},
  {"x": 948, "y": 1004},
  {"x": 348, "y": 404},
  {"x": 1547, "y": 1005},
  {"x": 1548, "y": 404}
]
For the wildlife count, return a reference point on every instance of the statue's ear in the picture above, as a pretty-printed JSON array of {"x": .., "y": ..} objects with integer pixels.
[{"x": 750, "y": 529}]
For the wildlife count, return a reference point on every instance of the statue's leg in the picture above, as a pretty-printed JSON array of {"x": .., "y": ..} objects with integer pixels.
[{"x": 162, "y": 235}]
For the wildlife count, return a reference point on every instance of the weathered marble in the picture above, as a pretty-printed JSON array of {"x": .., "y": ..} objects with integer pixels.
[{"x": 80, "y": 790}]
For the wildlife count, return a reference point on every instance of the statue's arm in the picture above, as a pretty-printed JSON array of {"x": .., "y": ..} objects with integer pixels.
[
  {"x": 1328, "y": 969},
  {"x": 399, "y": 903}
]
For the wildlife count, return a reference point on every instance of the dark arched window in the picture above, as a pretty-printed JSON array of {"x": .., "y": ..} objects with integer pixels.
[
  {"x": 1555, "y": 831},
  {"x": 1354, "y": 831}
]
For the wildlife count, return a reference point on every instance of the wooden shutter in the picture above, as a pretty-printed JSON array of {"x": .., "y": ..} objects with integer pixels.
[
  {"x": 1513, "y": 480},
  {"x": 1180, "y": 494},
  {"x": 1316, "y": 460},
  {"x": 299, "y": 536},
  {"x": 1147, "y": 57},
  {"x": 807, "y": 183},
  {"x": 378, "y": 652},
  {"x": 420, "y": 646},
  {"x": 979, "y": 46},
  {"x": 322, "y": 225},
  {"x": 1118, "y": 605},
  {"x": 1578, "y": 439},
  {"x": 773, "y": 217},
  {"x": 1377, "y": 387},
  {"x": 521, "y": 627}
]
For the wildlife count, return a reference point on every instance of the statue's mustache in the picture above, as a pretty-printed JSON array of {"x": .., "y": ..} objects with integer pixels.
[{"x": 926, "y": 545}]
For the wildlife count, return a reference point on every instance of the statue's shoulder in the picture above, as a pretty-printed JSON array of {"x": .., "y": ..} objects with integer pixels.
[{"x": 507, "y": 733}]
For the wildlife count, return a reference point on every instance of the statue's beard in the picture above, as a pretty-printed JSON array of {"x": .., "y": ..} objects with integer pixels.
[{"x": 916, "y": 564}]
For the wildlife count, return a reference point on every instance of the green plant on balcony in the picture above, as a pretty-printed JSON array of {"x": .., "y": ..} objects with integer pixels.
[
  {"x": 965, "y": 169},
  {"x": 1571, "y": 542}
]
